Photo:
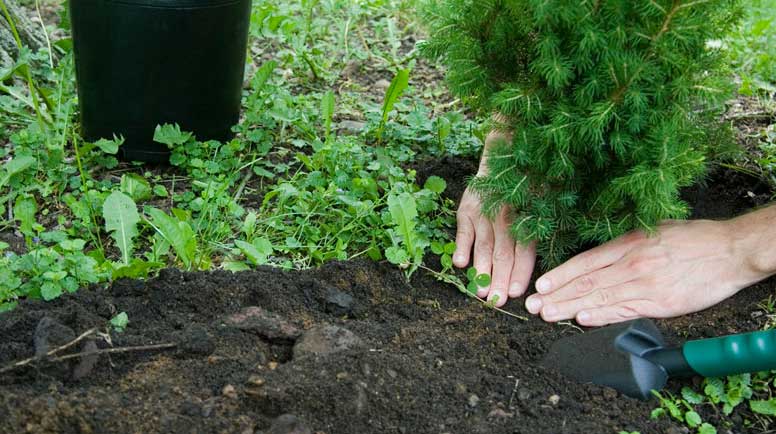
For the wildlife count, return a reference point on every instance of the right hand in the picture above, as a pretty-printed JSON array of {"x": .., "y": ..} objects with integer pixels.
[{"x": 496, "y": 253}]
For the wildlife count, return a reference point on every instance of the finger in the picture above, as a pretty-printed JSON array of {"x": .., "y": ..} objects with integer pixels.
[
  {"x": 483, "y": 251},
  {"x": 608, "y": 315},
  {"x": 585, "y": 263},
  {"x": 525, "y": 261},
  {"x": 464, "y": 238},
  {"x": 604, "y": 278},
  {"x": 503, "y": 260},
  {"x": 597, "y": 299}
]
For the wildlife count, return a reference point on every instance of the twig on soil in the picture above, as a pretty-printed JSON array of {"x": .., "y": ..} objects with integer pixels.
[
  {"x": 242, "y": 186},
  {"x": 758, "y": 115},
  {"x": 116, "y": 350},
  {"x": 572, "y": 325},
  {"x": 34, "y": 359},
  {"x": 514, "y": 392},
  {"x": 94, "y": 331}
]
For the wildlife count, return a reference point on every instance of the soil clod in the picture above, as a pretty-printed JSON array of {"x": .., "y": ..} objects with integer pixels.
[
  {"x": 263, "y": 323},
  {"x": 326, "y": 340},
  {"x": 288, "y": 424}
]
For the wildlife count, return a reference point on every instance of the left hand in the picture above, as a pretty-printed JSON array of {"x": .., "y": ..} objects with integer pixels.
[{"x": 686, "y": 267}]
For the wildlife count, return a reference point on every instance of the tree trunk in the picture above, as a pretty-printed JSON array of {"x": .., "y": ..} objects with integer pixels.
[{"x": 31, "y": 33}]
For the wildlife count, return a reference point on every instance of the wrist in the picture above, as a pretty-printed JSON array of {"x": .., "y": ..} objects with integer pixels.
[{"x": 754, "y": 241}]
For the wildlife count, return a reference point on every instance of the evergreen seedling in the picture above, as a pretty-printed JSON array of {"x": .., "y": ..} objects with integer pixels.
[{"x": 612, "y": 106}]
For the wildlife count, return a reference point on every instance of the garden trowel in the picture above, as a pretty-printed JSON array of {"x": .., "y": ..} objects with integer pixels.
[{"x": 632, "y": 357}]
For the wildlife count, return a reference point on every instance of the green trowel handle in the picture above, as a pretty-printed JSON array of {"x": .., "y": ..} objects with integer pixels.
[{"x": 732, "y": 355}]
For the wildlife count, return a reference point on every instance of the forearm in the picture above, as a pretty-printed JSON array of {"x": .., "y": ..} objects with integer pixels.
[{"x": 754, "y": 240}]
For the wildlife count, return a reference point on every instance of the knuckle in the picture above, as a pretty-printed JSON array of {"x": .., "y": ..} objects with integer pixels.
[
  {"x": 602, "y": 298},
  {"x": 483, "y": 249},
  {"x": 462, "y": 219},
  {"x": 465, "y": 232},
  {"x": 587, "y": 261},
  {"x": 638, "y": 265},
  {"x": 502, "y": 256},
  {"x": 634, "y": 237},
  {"x": 585, "y": 284},
  {"x": 627, "y": 313}
]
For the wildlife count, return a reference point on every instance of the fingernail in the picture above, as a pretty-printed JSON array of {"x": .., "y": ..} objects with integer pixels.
[
  {"x": 534, "y": 305},
  {"x": 550, "y": 312},
  {"x": 515, "y": 290},
  {"x": 483, "y": 292},
  {"x": 584, "y": 317},
  {"x": 459, "y": 258},
  {"x": 543, "y": 285}
]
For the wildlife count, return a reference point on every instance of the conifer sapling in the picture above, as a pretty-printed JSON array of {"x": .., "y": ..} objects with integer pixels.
[{"x": 613, "y": 106}]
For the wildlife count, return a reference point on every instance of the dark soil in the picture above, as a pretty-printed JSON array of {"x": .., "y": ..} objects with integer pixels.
[{"x": 419, "y": 358}]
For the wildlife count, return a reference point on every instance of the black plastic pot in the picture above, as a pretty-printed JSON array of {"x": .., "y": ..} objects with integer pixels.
[{"x": 142, "y": 63}]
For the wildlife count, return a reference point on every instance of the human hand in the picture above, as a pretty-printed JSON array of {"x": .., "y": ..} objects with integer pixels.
[
  {"x": 686, "y": 267},
  {"x": 509, "y": 264}
]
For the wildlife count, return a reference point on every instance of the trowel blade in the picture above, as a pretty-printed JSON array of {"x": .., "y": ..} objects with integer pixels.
[{"x": 612, "y": 356}]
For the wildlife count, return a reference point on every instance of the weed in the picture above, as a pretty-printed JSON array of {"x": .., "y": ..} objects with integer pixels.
[{"x": 753, "y": 48}]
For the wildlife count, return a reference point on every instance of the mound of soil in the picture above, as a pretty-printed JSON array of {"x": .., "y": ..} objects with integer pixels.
[{"x": 349, "y": 348}]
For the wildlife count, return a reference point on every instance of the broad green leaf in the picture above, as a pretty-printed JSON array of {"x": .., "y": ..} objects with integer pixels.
[
  {"x": 392, "y": 95},
  {"x": 137, "y": 269},
  {"x": 120, "y": 322},
  {"x": 693, "y": 419},
  {"x": 249, "y": 224},
  {"x": 50, "y": 290},
  {"x": 55, "y": 276},
  {"x": 692, "y": 396},
  {"x": 437, "y": 248},
  {"x": 715, "y": 389},
  {"x": 171, "y": 135},
  {"x": 262, "y": 76},
  {"x": 110, "y": 146},
  {"x": 121, "y": 219},
  {"x": 15, "y": 166},
  {"x": 483, "y": 280},
  {"x": 178, "y": 234},
  {"x": 264, "y": 173},
  {"x": 263, "y": 245},
  {"x": 24, "y": 212},
  {"x": 404, "y": 214},
  {"x": 235, "y": 266},
  {"x": 767, "y": 408},
  {"x": 657, "y": 413},
  {"x": 436, "y": 184},
  {"x": 397, "y": 255},
  {"x": 160, "y": 191},
  {"x": 251, "y": 252},
  {"x": 707, "y": 429},
  {"x": 136, "y": 187},
  {"x": 443, "y": 127},
  {"x": 8, "y": 306},
  {"x": 395, "y": 90},
  {"x": 72, "y": 245}
]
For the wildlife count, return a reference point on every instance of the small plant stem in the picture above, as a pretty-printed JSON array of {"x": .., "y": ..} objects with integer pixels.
[
  {"x": 85, "y": 191},
  {"x": 453, "y": 280},
  {"x": 45, "y": 33},
  {"x": 28, "y": 70}
]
